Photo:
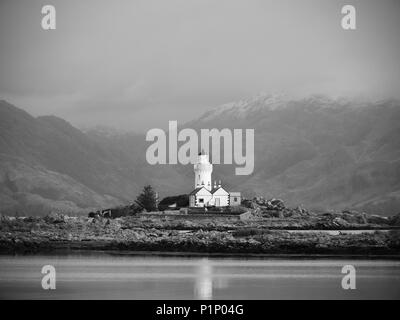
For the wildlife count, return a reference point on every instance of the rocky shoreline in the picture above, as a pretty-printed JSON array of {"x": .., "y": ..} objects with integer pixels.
[{"x": 223, "y": 235}]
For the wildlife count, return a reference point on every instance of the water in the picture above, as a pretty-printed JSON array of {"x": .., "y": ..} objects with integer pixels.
[{"x": 106, "y": 276}]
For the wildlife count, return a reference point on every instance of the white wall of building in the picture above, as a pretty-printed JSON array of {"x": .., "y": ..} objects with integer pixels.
[
  {"x": 202, "y": 172},
  {"x": 235, "y": 198},
  {"x": 203, "y": 198},
  {"x": 220, "y": 198}
]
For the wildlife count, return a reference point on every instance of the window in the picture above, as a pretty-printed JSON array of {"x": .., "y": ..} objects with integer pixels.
[
  {"x": 201, "y": 200},
  {"x": 235, "y": 199}
]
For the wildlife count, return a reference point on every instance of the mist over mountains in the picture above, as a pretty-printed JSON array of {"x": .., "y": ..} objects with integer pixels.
[{"x": 318, "y": 152}]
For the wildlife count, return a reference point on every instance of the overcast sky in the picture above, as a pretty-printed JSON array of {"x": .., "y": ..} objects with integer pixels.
[{"x": 137, "y": 64}]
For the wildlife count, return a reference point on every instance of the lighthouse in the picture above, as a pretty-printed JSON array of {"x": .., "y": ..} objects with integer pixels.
[
  {"x": 202, "y": 171},
  {"x": 204, "y": 193}
]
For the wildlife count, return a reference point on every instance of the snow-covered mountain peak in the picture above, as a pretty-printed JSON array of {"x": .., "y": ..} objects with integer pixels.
[{"x": 241, "y": 108}]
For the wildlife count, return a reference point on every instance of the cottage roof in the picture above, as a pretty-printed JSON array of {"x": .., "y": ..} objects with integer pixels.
[
  {"x": 195, "y": 191},
  {"x": 234, "y": 194},
  {"x": 217, "y": 188}
]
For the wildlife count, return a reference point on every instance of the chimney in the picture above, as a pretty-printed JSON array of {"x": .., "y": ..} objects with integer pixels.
[{"x": 219, "y": 185}]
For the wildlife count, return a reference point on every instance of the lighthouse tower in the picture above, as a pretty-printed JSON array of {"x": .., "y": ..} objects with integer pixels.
[{"x": 202, "y": 171}]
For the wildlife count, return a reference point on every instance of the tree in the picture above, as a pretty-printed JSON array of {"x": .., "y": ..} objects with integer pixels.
[{"x": 147, "y": 199}]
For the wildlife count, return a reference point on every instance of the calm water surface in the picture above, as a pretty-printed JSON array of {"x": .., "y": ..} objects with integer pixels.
[{"x": 106, "y": 276}]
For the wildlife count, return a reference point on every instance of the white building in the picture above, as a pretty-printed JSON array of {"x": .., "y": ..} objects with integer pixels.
[
  {"x": 205, "y": 194},
  {"x": 202, "y": 170}
]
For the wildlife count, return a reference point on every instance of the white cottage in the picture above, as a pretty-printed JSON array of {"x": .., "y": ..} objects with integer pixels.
[
  {"x": 220, "y": 197},
  {"x": 204, "y": 193},
  {"x": 200, "y": 197}
]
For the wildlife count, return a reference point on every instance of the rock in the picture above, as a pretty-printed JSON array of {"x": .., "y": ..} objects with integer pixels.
[
  {"x": 395, "y": 220},
  {"x": 251, "y": 204},
  {"x": 375, "y": 219},
  {"x": 5, "y": 218},
  {"x": 271, "y": 204},
  {"x": 55, "y": 218},
  {"x": 303, "y": 212},
  {"x": 295, "y": 212},
  {"x": 355, "y": 217},
  {"x": 275, "y": 204},
  {"x": 257, "y": 212},
  {"x": 339, "y": 222},
  {"x": 259, "y": 200},
  {"x": 268, "y": 213}
]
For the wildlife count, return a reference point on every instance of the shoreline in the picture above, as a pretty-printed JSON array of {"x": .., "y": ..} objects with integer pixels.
[
  {"x": 246, "y": 248},
  {"x": 204, "y": 237},
  {"x": 241, "y": 256}
]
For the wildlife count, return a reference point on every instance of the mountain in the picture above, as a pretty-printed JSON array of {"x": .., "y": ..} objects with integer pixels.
[
  {"x": 319, "y": 152},
  {"x": 47, "y": 165}
]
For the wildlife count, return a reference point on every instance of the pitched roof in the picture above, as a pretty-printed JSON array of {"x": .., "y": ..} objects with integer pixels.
[
  {"x": 217, "y": 188},
  {"x": 197, "y": 190}
]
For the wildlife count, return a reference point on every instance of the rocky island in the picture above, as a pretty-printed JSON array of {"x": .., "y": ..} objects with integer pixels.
[{"x": 259, "y": 230}]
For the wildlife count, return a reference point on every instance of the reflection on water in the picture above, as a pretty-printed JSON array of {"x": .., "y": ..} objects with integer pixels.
[
  {"x": 103, "y": 276},
  {"x": 203, "y": 287},
  {"x": 204, "y": 282}
]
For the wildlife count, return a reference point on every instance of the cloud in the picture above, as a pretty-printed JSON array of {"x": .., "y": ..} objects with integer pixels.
[{"x": 135, "y": 63}]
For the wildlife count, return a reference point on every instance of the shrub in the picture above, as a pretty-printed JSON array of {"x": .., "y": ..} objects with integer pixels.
[{"x": 181, "y": 201}]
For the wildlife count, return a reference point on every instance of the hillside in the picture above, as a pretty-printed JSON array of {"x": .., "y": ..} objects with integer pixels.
[{"x": 318, "y": 152}]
